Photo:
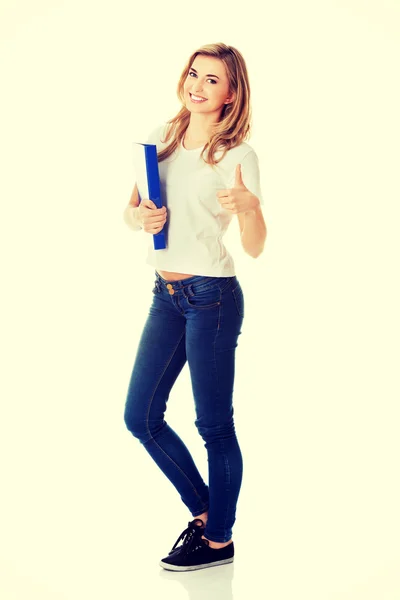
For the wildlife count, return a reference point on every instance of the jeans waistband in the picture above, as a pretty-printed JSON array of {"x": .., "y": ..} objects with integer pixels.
[{"x": 194, "y": 283}]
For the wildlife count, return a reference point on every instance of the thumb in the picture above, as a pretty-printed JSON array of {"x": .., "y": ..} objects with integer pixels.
[
  {"x": 149, "y": 203},
  {"x": 238, "y": 176}
]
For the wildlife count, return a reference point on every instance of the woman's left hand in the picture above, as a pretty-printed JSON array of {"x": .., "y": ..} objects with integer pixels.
[{"x": 239, "y": 198}]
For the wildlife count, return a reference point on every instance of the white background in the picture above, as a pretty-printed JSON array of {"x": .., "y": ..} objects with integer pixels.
[{"x": 85, "y": 513}]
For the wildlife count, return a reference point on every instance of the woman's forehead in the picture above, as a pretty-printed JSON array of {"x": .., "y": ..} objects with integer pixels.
[{"x": 211, "y": 64}]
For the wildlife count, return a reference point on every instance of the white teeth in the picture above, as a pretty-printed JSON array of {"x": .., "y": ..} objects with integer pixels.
[{"x": 197, "y": 97}]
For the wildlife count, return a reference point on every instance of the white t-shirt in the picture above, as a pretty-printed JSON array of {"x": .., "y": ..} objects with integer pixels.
[{"x": 196, "y": 221}]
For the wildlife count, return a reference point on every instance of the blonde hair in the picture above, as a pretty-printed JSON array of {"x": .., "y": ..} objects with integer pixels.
[{"x": 233, "y": 126}]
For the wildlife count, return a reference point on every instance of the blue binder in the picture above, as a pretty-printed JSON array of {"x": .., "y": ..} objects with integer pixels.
[{"x": 148, "y": 181}]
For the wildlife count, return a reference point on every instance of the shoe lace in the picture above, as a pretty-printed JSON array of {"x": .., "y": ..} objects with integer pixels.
[{"x": 189, "y": 536}]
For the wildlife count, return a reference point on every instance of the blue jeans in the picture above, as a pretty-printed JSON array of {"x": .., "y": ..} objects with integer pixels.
[{"x": 197, "y": 319}]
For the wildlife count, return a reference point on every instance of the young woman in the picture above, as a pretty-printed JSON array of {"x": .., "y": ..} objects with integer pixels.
[{"x": 208, "y": 173}]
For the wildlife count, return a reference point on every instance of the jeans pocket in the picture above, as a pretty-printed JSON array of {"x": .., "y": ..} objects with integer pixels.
[
  {"x": 207, "y": 298},
  {"x": 239, "y": 299}
]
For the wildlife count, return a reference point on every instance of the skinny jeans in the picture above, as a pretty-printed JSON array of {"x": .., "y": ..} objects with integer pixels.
[{"x": 197, "y": 319}]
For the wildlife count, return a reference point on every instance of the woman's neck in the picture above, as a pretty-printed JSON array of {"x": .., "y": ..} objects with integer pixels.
[
  {"x": 196, "y": 139},
  {"x": 198, "y": 131}
]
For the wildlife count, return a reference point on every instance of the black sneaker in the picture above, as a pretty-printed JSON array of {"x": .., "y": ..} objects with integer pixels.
[
  {"x": 196, "y": 553},
  {"x": 194, "y": 529}
]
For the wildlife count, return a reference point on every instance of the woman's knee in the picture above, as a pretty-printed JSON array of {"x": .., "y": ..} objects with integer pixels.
[
  {"x": 217, "y": 430},
  {"x": 135, "y": 425},
  {"x": 140, "y": 423}
]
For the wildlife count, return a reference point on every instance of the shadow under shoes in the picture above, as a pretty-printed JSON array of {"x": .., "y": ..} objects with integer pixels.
[{"x": 195, "y": 552}]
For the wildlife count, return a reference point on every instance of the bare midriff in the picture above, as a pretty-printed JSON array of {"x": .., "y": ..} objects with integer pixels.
[{"x": 172, "y": 276}]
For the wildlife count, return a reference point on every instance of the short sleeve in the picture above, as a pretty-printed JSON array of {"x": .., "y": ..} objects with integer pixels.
[{"x": 250, "y": 174}]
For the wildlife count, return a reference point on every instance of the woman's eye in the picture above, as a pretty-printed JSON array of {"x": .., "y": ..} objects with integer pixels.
[{"x": 193, "y": 73}]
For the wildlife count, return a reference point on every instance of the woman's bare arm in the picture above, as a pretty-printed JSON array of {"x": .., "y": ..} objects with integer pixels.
[
  {"x": 131, "y": 212},
  {"x": 144, "y": 215},
  {"x": 134, "y": 201}
]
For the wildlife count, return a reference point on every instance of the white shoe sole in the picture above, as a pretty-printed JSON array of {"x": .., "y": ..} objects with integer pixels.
[{"x": 169, "y": 567}]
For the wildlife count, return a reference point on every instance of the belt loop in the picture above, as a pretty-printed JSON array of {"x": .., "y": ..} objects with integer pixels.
[{"x": 190, "y": 290}]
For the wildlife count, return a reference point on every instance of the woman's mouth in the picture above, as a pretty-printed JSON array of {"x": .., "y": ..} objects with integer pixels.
[{"x": 197, "y": 99}]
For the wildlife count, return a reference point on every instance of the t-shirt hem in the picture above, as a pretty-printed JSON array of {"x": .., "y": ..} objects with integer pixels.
[{"x": 206, "y": 271}]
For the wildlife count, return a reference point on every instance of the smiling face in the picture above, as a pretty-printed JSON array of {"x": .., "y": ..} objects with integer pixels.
[{"x": 208, "y": 79}]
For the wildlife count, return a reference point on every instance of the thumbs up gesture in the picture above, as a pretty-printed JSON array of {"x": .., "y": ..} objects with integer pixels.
[{"x": 239, "y": 198}]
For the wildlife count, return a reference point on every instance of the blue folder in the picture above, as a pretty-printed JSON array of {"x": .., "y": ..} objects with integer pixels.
[{"x": 148, "y": 181}]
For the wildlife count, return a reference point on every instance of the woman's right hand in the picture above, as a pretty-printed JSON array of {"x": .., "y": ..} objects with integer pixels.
[{"x": 151, "y": 218}]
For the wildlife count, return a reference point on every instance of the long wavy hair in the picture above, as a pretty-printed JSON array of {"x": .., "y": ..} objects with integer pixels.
[{"x": 234, "y": 124}]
